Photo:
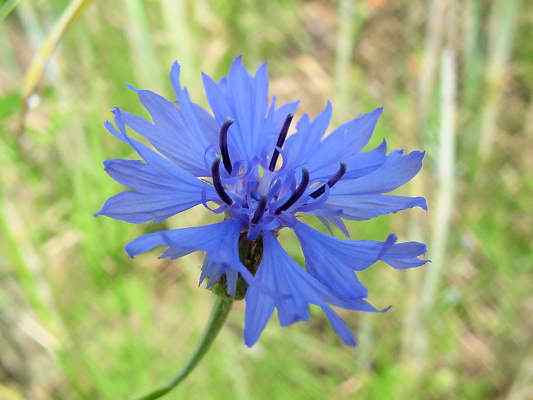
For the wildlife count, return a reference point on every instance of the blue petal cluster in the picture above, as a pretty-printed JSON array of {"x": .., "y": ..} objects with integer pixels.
[{"x": 241, "y": 159}]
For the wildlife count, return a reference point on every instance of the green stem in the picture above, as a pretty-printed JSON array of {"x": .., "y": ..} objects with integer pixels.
[{"x": 218, "y": 316}]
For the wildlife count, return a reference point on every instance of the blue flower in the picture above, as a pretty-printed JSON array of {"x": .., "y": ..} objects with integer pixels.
[{"x": 242, "y": 159}]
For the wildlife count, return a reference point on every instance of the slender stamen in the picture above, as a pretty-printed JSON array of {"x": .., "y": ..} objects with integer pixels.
[
  {"x": 297, "y": 193},
  {"x": 281, "y": 139},
  {"x": 217, "y": 183},
  {"x": 223, "y": 138},
  {"x": 332, "y": 181},
  {"x": 260, "y": 210}
]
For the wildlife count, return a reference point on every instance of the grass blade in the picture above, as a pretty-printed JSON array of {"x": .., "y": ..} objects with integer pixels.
[
  {"x": 446, "y": 177},
  {"x": 501, "y": 42},
  {"x": 7, "y": 8},
  {"x": 39, "y": 62}
]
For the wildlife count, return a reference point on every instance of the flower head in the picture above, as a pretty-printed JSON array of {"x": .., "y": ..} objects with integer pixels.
[{"x": 242, "y": 159}]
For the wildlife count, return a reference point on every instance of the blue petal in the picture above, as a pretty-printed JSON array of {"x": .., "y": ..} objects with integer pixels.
[
  {"x": 332, "y": 260},
  {"x": 260, "y": 106},
  {"x": 240, "y": 97},
  {"x": 145, "y": 178},
  {"x": 213, "y": 271},
  {"x": 137, "y": 175},
  {"x": 161, "y": 189},
  {"x": 405, "y": 255},
  {"x": 182, "y": 132},
  {"x": 346, "y": 141},
  {"x": 216, "y": 99},
  {"x": 272, "y": 126},
  {"x": 339, "y": 326},
  {"x": 137, "y": 207},
  {"x": 175, "y": 78},
  {"x": 276, "y": 116},
  {"x": 364, "y": 163},
  {"x": 280, "y": 283},
  {"x": 152, "y": 158},
  {"x": 183, "y": 241},
  {"x": 360, "y": 194},
  {"x": 219, "y": 241},
  {"x": 207, "y": 124},
  {"x": 231, "y": 281},
  {"x": 397, "y": 170},
  {"x": 259, "y": 308},
  {"x": 327, "y": 252},
  {"x": 243, "y": 99},
  {"x": 341, "y": 281},
  {"x": 363, "y": 207},
  {"x": 357, "y": 165},
  {"x": 301, "y": 147}
]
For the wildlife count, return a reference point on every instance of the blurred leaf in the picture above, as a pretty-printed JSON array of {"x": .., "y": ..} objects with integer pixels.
[
  {"x": 6, "y": 8},
  {"x": 9, "y": 104}
]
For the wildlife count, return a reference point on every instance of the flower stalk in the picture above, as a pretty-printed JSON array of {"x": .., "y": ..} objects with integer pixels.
[{"x": 219, "y": 314}]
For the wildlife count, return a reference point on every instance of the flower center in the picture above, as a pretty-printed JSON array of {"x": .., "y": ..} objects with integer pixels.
[{"x": 253, "y": 190}]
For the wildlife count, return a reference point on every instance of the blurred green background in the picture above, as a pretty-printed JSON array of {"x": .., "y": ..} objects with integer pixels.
[{"x": 79, "y": 320}]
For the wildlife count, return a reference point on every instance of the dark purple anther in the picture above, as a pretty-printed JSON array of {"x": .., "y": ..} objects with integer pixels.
[
  {"x": 281, "y": 139},
  {"x": 332, "y": 181},
  {"x": 260, "y": 210},
  {"x": 297, "y": 193},
  {"x": 223, "y": 139},
  {"x": 217, "y": 183}
]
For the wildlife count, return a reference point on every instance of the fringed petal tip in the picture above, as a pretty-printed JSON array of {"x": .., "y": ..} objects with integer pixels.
[
  {"x": 129, "y": 252},
  {"x": 339, "y": 326},
  {"x": 102, "y": 212},
  {"x": 133, "y": 88},
  {"x": 249, "y": 342},
  {"x": 175, "y": 69},
  {"x": 421, "y": 202}
]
